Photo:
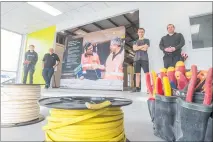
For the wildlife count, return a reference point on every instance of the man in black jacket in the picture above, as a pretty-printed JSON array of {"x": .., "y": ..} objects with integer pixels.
[
  {"x": 31, "y": 58},
  {"x": 171, "y": 45}
]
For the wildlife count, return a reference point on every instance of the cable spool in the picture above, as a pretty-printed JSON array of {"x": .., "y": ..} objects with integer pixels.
[
  {"x": 19, "y": 105},
  {"x": 85, "y": 119}
]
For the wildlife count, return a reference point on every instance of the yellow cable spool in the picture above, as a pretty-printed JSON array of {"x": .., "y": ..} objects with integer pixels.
[{"x": 97, "y": 123}]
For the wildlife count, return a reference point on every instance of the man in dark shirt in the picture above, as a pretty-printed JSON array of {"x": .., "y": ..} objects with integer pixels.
[
  {"x": 50, "y": 62},
  {"x": 31, "y": 58},
  {"x": 171, "y": 45},
  {"x": 141, "y": 59}
]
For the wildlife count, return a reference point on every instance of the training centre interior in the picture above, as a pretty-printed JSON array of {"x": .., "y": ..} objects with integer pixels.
[{"x": 77, "y": 71}]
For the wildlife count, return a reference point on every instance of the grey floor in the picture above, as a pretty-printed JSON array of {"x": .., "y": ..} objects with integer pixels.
[{"x": 138, "y": 125}]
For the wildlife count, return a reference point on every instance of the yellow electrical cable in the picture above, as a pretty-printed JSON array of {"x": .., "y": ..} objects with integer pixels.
[{"x": 97, "y": 123}]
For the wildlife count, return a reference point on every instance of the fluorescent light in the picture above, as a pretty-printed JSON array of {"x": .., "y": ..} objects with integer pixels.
[
  {"x": 195, "y": 29},
  {"x": 46, "y": 8}
]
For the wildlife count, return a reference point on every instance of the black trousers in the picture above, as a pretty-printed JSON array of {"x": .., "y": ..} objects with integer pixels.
[
  {"x": 170, "y": 60},
  {"x": 28, "y": 68}
]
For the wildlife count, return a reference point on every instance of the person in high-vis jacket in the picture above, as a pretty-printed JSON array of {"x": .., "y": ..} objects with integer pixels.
[
  {"x": 114, "y": 62},
  {"x": 31, "y": 58},
  {"x": 90, "y": 62}
]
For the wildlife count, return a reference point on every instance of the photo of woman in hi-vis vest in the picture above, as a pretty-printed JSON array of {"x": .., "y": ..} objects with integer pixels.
[{"x": 91, "y": 67}]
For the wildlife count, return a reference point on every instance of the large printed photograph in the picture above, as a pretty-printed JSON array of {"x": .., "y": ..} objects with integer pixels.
[{"x": 94, "y": 61}]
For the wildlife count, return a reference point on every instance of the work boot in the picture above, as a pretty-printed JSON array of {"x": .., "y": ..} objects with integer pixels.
[
  {"x": 137, "y": 89},
  {"x": 46, "y": 86}
]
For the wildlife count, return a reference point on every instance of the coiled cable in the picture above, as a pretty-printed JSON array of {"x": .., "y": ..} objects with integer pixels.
[
  {"x": 97, "y": 123},
  {"x": 19, "y": 103}
]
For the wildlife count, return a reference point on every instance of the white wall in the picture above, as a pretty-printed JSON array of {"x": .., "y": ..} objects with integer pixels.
[
  {"x": 178, "y": 14},
  {"x": 154, "y": 17},
  {"x": 21, "y": 59}
]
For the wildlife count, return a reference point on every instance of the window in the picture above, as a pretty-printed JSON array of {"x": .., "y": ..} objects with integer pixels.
[
  {"x": 10, "y": 49},
  {"x": 201, "y": 31}
]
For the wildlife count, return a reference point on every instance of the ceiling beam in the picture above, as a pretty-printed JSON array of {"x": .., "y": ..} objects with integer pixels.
[
  {"x": 69, "y": 33},
  {"x": 60, "y": 34},
  {"x": 101, "y": 28},
  {"x": 81, "y": 28},
  {"x": 130, "y": 25},
  {"x": 132, "y": 38},
  {"x": 129, "y": 48},
  {"x": 130, "y": 53},
  {"x": 133, "y": 24},
  {"x": 75, "y": 30},
  {"x": 128, "y": 60},
  {"x": 110, "y": 20},
  {"x": 113, "y": 22},
  {"x": 128, "y": 44}
]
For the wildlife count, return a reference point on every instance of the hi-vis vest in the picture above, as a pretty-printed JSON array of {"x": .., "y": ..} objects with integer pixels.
[
  {"x": 114, "y": 68},
  {"x": 89, "y": 60}
]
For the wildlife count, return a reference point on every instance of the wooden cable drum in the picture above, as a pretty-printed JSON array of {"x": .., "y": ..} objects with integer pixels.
[{"x": 19, "y": 103}]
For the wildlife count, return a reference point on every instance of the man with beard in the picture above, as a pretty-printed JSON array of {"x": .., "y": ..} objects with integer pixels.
[{"x": 114, "y": 62}]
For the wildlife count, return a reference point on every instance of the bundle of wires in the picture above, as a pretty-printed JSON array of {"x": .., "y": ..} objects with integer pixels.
[
  {"x": 92, "y": 124},
  {"x": 19, "y": 103}
]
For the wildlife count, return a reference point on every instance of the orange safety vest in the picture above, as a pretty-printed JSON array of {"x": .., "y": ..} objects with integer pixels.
[
  {"x": 87, "y": 61},
  {"x": 114, "y": 68}
]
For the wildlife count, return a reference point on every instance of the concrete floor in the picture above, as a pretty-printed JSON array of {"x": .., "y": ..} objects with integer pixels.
[{"x": 138, "y": 125}]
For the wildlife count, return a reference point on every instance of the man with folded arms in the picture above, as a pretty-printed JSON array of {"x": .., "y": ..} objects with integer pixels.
[{"x": 141, "y": 59}]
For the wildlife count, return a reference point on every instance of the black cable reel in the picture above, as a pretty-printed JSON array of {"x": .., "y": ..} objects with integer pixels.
[{"x": 78, "y": 102}]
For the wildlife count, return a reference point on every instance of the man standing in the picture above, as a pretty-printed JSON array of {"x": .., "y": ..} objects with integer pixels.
[
  {"x": 31, "y": 58},
  {"x": 141, "y": 59},
  {"x": 171, "y": 45},
  {"x": 50, "y": 62},
  {"x": 114, "y": 62}
]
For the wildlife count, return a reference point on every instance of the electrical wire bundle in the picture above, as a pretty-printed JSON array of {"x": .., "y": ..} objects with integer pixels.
[
  {"x": 19, "y": 103},
  {"x": 97, "y": 123}
]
